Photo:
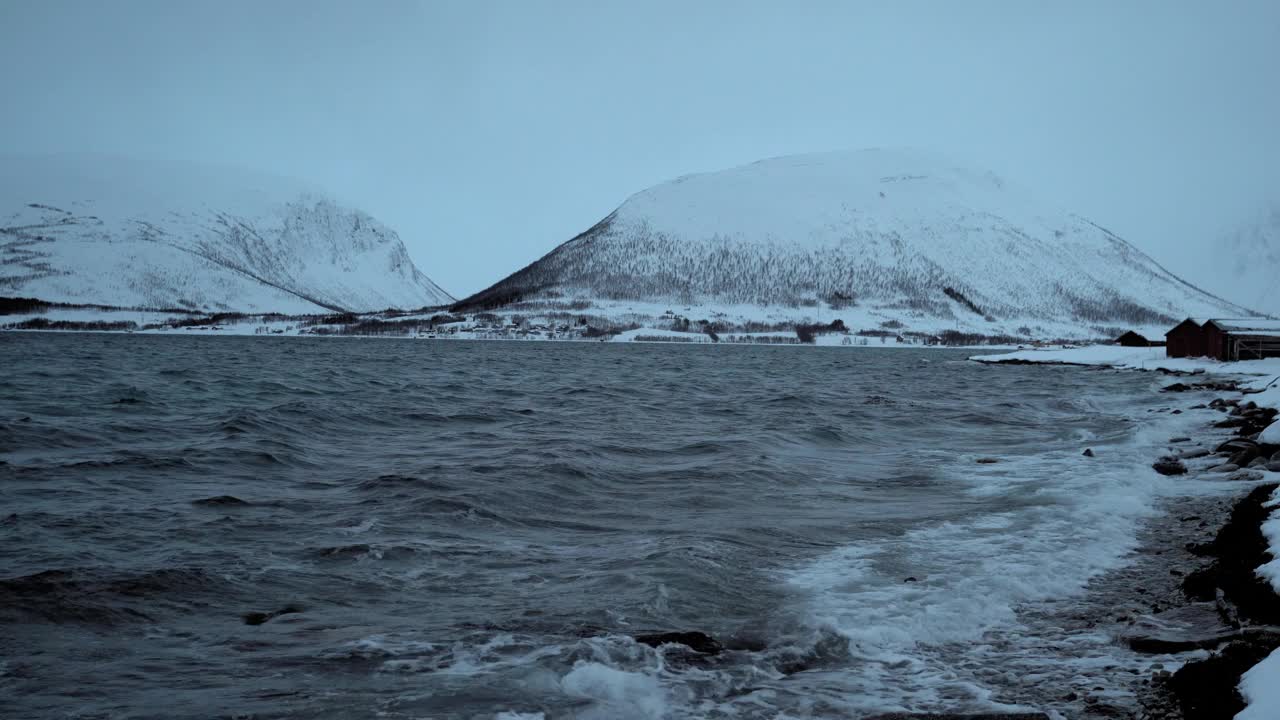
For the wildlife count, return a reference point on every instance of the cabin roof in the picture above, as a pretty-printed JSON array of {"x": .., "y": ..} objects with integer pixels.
[
  {"x": 1253, "y": 326},
  {"x": 1198, "y": 322}
]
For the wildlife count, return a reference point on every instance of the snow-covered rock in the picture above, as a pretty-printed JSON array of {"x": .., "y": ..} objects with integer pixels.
[
  {"x": 1271, "y": 435},
  {"x": 89, "y": 229},
  {"x": 902, "y": 234}
]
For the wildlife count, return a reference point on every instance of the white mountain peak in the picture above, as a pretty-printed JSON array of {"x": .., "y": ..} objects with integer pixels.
[
  {"x": 902, "y": 232},
  {"x": 97, "y": 229}
]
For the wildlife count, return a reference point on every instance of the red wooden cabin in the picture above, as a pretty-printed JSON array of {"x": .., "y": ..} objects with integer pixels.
[{"x": 1186, "y": 339}]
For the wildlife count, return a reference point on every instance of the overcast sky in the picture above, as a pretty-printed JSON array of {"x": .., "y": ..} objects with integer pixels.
[{"x": 488, "y": 132}]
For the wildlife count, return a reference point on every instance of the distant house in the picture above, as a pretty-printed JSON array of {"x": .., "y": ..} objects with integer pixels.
[
  {"x": 1186, "y": 339},
  {"x": 1242, "y": 339},
  {"x": 1133, "y": 339},
  {"x": 1226, "y": 339}
]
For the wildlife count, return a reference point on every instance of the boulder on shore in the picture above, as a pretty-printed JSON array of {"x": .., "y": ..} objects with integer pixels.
[
  {"x": 1206, "y": 689},
  {"x": 1169, "y": 467},
  {"x": 696, "y": 641},
  {"x": 1244, "y": 457},
  {"x": 1236, "y": 445}
]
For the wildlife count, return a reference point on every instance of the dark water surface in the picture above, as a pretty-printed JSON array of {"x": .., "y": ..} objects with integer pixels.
[{"x": 462, "y": 530}]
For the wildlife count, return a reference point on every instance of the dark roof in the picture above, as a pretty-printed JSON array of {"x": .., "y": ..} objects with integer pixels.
[
  {"x": 1194, "y": 321},
  {"x": 1256, "y": 333},
  {"x": 1260, "y": 325}
]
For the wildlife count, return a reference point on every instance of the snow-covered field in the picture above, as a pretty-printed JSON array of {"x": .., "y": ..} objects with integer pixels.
[{"x": 1261, "y": 685}]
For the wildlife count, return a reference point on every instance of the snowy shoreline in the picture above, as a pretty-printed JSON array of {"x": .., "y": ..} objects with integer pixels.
[
  {"x": 569, "y": 320},
  {"x": 623, "y": 338},
  {"x": 1246, "y": 659}
]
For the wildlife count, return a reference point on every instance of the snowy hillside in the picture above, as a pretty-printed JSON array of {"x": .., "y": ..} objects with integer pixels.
[
  {"x": 893, "y": 236},
  {"x": 1248, "y": 263},
  {"x": 109, "y": 231}
]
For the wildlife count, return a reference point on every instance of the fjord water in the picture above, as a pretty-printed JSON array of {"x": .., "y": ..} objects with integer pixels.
[{"x": 477, "y": 529}]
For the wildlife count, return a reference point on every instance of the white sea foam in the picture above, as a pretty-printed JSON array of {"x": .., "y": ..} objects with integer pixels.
[
  {"x": 972, "y": 575},
  {"x": 375, "y": 646},
  {"x": 617, "y": 693},
  {"x": 953, "y": 637},
  {"x": 363, "y": 527},
  {"x": 1057, "y": 520}
]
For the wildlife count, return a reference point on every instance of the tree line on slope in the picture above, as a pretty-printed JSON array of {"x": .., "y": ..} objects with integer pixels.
[{"x": 636, "y": 264}]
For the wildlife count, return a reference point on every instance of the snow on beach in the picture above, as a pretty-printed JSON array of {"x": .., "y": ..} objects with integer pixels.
[
  {"x": 1260, "y": 686},
  {"x": 1261, "y": 691},
  {"x": 1271, "y": 531},
  {"x": 1257, "y": 376}
]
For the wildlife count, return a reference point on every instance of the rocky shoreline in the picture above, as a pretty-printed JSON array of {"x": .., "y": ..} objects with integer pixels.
[
  {"x": 1190, "y": 609},
  {"x": 1212, "y": 607}
]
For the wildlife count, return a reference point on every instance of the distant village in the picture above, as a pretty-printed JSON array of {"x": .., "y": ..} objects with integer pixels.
[
  {"x": 669, "y": 327},
  {"x": 1225, "y": 339}
]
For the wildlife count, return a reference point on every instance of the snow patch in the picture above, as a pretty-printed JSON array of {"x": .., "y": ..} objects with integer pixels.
[
  {"x": 1271, "y": 531},
  {"x": 1271, "y": 435},
  {"x": 1260, "y": 687}
]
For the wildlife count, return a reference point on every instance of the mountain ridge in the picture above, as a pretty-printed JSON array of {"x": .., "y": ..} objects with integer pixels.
[
  {"x": 901, "y": 230},
  {"x": 96, "y": 229}
]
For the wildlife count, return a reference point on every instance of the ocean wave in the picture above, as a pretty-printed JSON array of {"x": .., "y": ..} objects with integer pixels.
[
  {"x": 103, "y": 597},
  {"x": 471, "y": 530}
]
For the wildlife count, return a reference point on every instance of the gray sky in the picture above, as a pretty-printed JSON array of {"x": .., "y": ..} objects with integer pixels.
[{"x": 488, "y": 132}]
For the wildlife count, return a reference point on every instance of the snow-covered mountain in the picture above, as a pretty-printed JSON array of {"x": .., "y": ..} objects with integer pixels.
[
  {"x": 896, "y": 235},
  {"x": 101, "y": 230},
  {"x": 1247, "y": 262}
]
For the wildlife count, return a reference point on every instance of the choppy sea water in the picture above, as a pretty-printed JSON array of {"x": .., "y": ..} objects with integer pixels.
[{"x": 476, "y": 530}]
